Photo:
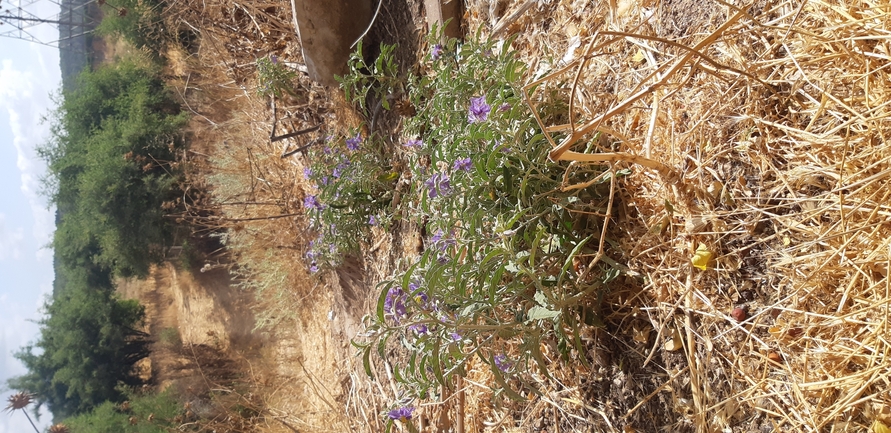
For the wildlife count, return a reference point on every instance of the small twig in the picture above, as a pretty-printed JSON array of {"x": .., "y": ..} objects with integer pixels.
[
  {"x": 507, "y": 21},
  {"x": 294, "y": 134}
]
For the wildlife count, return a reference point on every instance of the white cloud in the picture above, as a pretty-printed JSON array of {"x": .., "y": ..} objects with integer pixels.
[
  {"x": 10, "y": 240},
  {"x": 26, "y": 99}
]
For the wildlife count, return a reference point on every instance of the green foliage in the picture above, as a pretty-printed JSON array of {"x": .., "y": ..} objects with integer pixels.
[
  {"x": 354, "y": 187},
  {"x": 353, "y": 175},
  {"x": 274, "y": 78},
  {"x": 163, "y": 408},
  {"x": 111, "y": 169},
  {"x": 87, "y": 347},
  {"x": 139, "y": 22},
  {"x": 379, "y": 77},
  {"x": 497, "y": 277}
]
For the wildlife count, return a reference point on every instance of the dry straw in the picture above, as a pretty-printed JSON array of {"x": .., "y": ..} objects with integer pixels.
[{"x": 758, "y": 131}]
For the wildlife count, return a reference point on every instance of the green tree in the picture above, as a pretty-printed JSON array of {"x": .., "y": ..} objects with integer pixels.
[
  {"x": 87, "y": 348},
  {"x": 111, "y": 168}
]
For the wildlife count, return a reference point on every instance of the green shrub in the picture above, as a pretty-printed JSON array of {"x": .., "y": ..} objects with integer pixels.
[
  {"x": 274, "y": 78},
  {"x": 139, "y": 22},
  {"x": 354, "y": 187},
  {"x": 496, "y": 278},
  {"x": 143, "y": 413}
]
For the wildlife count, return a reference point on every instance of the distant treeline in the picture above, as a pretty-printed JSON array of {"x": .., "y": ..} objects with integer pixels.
[{"x": 111, "y": 157}]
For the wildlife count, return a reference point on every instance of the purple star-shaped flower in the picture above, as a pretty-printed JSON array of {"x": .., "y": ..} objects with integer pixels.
[
  {"x": 394, "y": 303},
  {"x": 436, "y": 52},
  {"x": 414, "y": 143},
  {"x": 312, "y": 202},
  {"x": 431, "y": 186},
  {"x": 402, "y": 414},
  {"x": 441, "y": 241},
  {"x": 438, "y": 184},
  {"x": 353, "y": 143},
  {"x": 445, "y": 187},
  {"x": 420, "y": 329},
  {"x": 502, "y": 363},
  {"x": 479, "y": 110},
  {"x": 462, "y": 164}
]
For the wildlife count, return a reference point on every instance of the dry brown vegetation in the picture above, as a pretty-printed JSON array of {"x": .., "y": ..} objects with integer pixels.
[{"x": 756, "y": 132}]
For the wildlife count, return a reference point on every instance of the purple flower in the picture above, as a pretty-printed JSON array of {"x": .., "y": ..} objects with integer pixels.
[
  {"x": 479, "y": 110},
  {"x": 504, "y": 107},
  {"x": 327, "y": 150},
  {"x": 445, "y": 186},
  {"x": 438, "y": 184},
  {"x": 431, "y": 186},
  {"x": 442, "y": 242},
  {"x": 353, "y": 143},
  {"x": 394, "y": 303},
  {"x": 372, "y": 221},
  {"x": 420, "y": 329},
  {"x": 456, "y": 336},
  {"x": 402, "y": 414},
  {"x": 274, "y": 59},
  {"x": 307, "y": 173},
  {"x": 336, "y": 172},
  {"x": 312, "y": 202},
  {"x": 313, "y": 268},
  {"x": 502, "y": 363},
  {"x": 462, "y": 164},
  {"x": 436, "y": 52},
  {"x": 414, "y": 143}
]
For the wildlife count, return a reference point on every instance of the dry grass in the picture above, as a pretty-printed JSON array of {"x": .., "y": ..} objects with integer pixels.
[
  {"x": 760, "y": 134},
  {"x": 246, "y": 194},
  {"x": 244, "y": 191}
]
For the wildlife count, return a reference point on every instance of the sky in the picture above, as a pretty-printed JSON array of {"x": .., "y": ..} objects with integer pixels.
[{"x": 29, "y": 76}]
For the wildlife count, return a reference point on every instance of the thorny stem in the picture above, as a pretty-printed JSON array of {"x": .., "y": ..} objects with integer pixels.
[{"x": 29, "y": 420}]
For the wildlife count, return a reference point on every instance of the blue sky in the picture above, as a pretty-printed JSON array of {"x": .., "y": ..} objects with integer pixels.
[{"x": 29, "y": 74}]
